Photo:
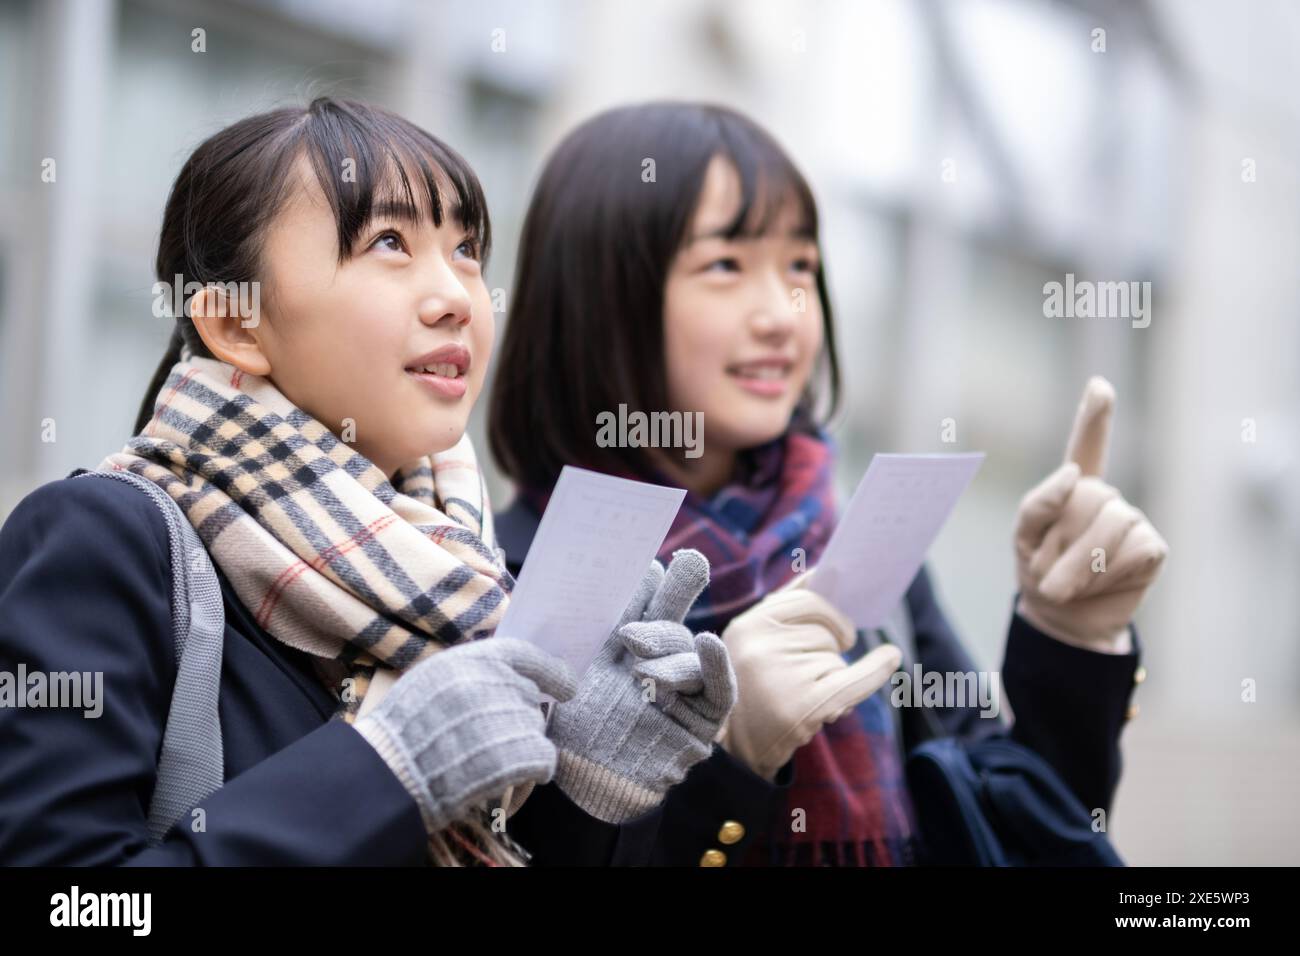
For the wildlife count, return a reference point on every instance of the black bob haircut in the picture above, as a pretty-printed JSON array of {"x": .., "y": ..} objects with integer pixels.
[
  {"x": 367, "y": 161},
  {"x": 585, "y": 330}
]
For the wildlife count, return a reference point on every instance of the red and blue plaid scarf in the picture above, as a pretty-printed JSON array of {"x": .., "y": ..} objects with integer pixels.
[{"x": 848, "y": 804}]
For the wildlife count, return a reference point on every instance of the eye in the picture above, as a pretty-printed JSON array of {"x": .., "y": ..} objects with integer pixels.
[
  {"x": 725, "y": 264},
  {"x": 804, "y": 264},
  {"x": 467, "y": 250},
  {"x": 389, "y": 239}
]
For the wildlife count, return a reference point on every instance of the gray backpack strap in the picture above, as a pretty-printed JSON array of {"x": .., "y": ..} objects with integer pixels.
[{"x": 192, "y": 763}]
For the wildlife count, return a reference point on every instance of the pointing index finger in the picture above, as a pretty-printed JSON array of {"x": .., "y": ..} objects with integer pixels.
[{"x": 1090, "y": 437}]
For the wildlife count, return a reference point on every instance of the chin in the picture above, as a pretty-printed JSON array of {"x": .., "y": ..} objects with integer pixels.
[
  {"x": 443, "y": 438},
  {"x": 752, "y": 433}
]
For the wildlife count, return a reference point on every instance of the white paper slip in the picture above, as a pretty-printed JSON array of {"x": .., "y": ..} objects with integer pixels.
[
  {"x": 593, "y": 546},
  {"x": 896, "y": 513}
]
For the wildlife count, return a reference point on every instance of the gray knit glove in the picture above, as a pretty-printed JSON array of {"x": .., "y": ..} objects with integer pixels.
[
  {"x": 650, "y": 705},
  {"x": 463, "y": 726}
]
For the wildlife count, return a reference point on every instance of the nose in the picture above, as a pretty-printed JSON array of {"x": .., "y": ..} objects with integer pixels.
[
  {"x": 776, "y": 310},
  {"x": 448, "y": 303}
]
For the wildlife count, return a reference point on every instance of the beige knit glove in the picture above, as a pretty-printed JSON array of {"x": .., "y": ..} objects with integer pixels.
[
  {"x": 1084, "y": 555},
  {"x": 791, "y": 675}
]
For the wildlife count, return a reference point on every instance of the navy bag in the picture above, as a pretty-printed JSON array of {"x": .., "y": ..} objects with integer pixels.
[
  {"x": 994, "y": 802},
  {"x": 990, "y": 801}
]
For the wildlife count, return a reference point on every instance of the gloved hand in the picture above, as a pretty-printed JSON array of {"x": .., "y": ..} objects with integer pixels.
[
  {"x": 1064, "y": 591},
  {"x": 650, "y": 705},
  {"x": 787, "y": 650},
  {"x": 465, "y": 725}
]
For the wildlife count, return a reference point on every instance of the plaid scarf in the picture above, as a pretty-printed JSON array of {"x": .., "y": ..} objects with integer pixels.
[
  {"x": 848, "y": 780},
  {"x": 329, "y": 555}
]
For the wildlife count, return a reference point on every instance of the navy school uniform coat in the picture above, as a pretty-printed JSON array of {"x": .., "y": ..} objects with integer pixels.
[
  {"x": 1070, "y": 705},
  {"x": 85, "y": 585}
]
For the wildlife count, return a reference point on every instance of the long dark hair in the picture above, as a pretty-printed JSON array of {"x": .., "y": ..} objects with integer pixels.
[
  {"x": 585, "y": 330},
  {"x": 236, "y": 181}
]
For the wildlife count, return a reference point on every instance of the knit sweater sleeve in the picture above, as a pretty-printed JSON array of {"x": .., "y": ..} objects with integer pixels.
[{"x": 85, "y": 589}]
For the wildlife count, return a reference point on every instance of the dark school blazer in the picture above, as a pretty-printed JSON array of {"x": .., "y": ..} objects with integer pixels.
[
  {"x": 1070, "y": 705},
  {"x": 85, "y": 585}
]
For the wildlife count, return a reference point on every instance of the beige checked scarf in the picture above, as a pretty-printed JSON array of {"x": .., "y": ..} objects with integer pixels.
[{"x": 329, "y": 555}]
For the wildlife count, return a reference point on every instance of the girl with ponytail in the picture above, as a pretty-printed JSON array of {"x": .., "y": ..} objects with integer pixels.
[{"x": 361, "y": 706}]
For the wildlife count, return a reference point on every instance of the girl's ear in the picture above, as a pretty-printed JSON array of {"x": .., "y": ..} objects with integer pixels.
[{"x": 229, "y": 336}]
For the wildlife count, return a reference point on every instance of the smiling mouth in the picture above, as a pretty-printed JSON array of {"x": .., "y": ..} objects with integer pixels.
[
  {"x": 450, "y": 361},
  {"x": 761, "y": 373},
  {"x": 765, "y": 379},
  {"x": 766, "y": 370},
  {"x": 443, "y": 380},
  {"x": 440, "y": 369},
  {"x": 443, "y": 371}
]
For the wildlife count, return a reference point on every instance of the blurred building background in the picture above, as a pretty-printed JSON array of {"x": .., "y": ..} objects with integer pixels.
[{"x": 964, "y": 154}]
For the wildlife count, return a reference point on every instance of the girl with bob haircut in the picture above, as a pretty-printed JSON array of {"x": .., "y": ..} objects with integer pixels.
[
  {"x": 702, "y": 289},
  {"x": 341, "y": 697}
]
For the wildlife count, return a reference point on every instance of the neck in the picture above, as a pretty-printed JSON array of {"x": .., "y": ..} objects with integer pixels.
[{"x": 705, "y": 475}]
